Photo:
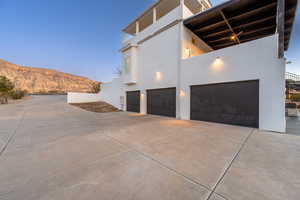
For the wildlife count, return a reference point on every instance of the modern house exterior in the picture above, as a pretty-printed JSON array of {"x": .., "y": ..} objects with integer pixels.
[{"x": 191, "y": 61}]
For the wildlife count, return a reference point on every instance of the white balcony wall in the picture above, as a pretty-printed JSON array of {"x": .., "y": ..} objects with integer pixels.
[
  {"x": 248, "y": 61},
  {"x": 172, "y": 16}
]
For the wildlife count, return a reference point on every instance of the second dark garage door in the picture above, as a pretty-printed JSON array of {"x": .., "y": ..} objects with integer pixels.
[
  {"x": 133, "y": 101},
  {"x": 235, "y": 103},
  {"x": 162, "y": 102}
]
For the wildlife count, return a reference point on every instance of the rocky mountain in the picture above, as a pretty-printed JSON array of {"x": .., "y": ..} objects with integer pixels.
[{"x": 39, "y": 80}]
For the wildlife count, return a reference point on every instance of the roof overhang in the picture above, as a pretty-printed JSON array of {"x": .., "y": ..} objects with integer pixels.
[{"x": 238, "y": 21}]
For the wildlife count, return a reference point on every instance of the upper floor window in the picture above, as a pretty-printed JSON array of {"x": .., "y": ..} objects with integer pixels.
[{"x": 126, "y": 64}]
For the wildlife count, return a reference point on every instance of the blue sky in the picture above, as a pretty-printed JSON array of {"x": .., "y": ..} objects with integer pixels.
[{"x": 79, "y": 36}]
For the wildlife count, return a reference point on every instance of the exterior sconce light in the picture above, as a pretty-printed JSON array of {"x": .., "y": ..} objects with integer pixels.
[
  {"x": 182, "y": 93},
  {"x": 158, "y": 76},
  {"x": 218, "y": 60},
  {"x": 187, "y": 52},
  {"x": 218, "y": 64}
]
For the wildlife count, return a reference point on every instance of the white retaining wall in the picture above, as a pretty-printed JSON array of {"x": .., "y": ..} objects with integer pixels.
[
  {"x": 75, "y": 97},
  {"x": 112, "y": 93}
]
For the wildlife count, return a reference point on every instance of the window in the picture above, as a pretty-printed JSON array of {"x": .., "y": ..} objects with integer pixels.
[{"x": 126, "y": 64}]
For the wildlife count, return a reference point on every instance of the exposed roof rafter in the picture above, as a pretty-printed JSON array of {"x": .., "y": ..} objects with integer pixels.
[
  {"x": 247, "y": 19},
  {"x": 229, "y": 26}
]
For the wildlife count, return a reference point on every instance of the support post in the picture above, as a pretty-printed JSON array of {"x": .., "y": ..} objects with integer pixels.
[
  {"x": 280, "y": 27},
  {"x": 154, "y": 14},
  {"x": 137, "y": 27}
]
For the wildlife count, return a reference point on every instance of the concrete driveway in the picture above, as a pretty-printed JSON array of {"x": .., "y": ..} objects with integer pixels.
[{"x": 53, "y": 151}]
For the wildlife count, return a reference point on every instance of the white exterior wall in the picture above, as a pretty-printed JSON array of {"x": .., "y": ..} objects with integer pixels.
[
  {"x": 162, "y": 55},
  {"x": 249, "y": 61},
  {"x": 111, "y": 93},
  {"x": 157, "y": 58},
  {"x": 75, "y": 97},
  {"x": 197, "y": 48},
  {"x": 130, "y": 77}
]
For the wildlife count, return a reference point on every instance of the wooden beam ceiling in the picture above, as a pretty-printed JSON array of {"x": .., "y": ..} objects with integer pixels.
[{"x": 246, "y": 20}]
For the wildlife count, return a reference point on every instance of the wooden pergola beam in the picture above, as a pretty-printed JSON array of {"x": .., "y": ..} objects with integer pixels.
[
  {"x": 244, "y": 40},
  {"x": 251, "y": 12},
  {"x": 241, "y": 26},
  {"x": 259, "y": 30},
  {"x": 210, "y": 26},
  {"x": 247, "y": 19},
  {"x": 229, "y": 26},
  {"x": 244, "y": 33}
]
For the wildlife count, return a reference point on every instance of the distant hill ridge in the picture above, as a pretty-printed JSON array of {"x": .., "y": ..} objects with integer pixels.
[{"x": 41, "y": 80}]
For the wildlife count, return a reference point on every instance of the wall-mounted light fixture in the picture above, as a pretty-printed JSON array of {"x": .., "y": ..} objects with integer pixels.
[
  {"x": 182, "y": 93},
  {"x": 218, "y": 64},
  {"x": 187, "y": 52},
  {"x": 158, "y": 76}
]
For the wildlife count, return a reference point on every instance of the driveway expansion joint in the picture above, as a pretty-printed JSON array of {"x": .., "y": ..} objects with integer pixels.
[
  {"x": 229, "y": 166},
  {"x": 20, "y": 121},
  {"x": 161, "y": 164}
]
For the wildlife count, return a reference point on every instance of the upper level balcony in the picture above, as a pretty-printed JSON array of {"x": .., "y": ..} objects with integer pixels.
[{"x": 159, "y": 15}]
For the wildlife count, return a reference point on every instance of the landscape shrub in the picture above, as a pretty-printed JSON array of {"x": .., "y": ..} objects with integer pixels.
[
  {"x": 295, "y": 97},
  {"x": 17, "y": 94},
  {"x": 96, "y": 88},
  {"x": 6, "y": 86}
]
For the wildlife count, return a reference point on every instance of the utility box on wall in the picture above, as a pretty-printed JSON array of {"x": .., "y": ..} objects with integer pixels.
[{"x": 129, "y": 71}]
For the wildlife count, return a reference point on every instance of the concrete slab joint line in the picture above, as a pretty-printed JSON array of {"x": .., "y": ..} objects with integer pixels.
[
  {"x": 13, "y": 134},
  {"x": 161, "y": 164},
  {"x": 229, "y": 166}
]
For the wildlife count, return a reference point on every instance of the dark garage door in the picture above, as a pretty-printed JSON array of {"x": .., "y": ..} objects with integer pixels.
[
  {"x": 234, "y": 103},
  {"x": 162, "y": 102},
  {"x": 133, "y": 101}
]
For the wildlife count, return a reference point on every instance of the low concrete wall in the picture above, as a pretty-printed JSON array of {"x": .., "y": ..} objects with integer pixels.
[
  {"x": 74, "y": 97},
  {"x": 112, "y": 93}
]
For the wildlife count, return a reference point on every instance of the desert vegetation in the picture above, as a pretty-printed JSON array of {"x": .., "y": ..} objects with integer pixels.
[
  {"x": 295, "y": 97},
  {"x": 98, "y": 107},
  {"x": 8, "y": 91},
  {"x": 96, "y": 87}
]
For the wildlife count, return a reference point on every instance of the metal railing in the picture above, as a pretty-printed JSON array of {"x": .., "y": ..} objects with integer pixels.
[{"x": 291, "y": 76}]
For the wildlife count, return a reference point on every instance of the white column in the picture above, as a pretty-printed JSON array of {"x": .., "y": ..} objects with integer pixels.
[
  {"x": 154, "y": 14},
  {"x": 137, "y": 27},
  {"x": 143, "y": 104}
]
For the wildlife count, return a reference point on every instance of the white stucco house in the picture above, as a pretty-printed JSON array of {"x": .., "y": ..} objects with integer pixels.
[{"x": 223, "y": 64}]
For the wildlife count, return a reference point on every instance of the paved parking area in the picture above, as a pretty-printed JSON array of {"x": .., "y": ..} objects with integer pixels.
[
  {"x": 51, "y": 150},
  {"x": 293, "y": 125}
]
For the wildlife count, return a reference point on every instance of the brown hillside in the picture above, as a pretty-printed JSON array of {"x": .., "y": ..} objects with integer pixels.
[{"x": 39, "y": 80}]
